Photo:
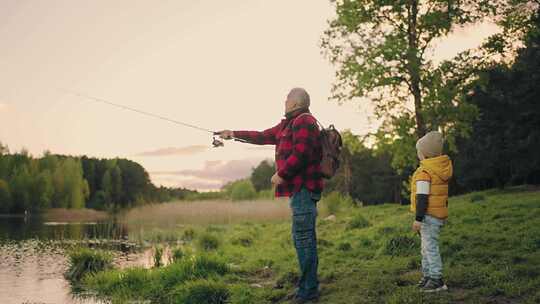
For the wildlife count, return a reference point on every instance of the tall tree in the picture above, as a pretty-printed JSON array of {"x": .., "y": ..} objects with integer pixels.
[
  {"x": 384, "y": 53},
  {"x": 261, "y": 175},
  {"x": 117, "y": 195},
  {"x": 106, "y": 186},
  {"x": 503, "y": 149},
  {"x": 42, "y": 190},
  {"x": 381, "y": 49},
  {"x": 20, "y": 185}
]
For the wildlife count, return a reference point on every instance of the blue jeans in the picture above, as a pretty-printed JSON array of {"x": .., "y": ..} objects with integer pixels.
[
  {"x": 304, "y": 214},
  {"x": 431, "y": 257}
]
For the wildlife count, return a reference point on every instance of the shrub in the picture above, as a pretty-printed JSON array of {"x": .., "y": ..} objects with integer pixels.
[
  {"x": 86, "y": 260},
  {"x": 201, "y": 291},
  {"x": 208, "y": 242},
  {"x": 241, "y": 190},
  {"x": 358, "y": 222}
]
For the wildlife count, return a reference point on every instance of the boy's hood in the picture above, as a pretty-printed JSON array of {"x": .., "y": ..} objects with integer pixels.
[{"x": 440, "y": 166}]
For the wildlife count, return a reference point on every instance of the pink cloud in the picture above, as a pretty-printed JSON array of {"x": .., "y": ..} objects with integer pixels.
[{"x": 212, "y": 176}]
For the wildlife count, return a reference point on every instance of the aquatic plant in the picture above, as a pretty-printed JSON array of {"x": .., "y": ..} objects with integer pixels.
[{"x": 86, "y": 260}]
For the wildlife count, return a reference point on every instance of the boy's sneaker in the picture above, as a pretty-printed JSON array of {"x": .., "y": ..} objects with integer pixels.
[
  {"x": 423, "y": 281},
  {"x": 434, "y": 285}
]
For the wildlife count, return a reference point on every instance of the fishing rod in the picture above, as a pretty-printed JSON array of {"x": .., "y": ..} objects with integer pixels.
[{"x": 215, "y": 141}]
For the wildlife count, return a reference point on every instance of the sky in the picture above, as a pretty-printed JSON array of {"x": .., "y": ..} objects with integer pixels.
[{"x": 214, "y": 64}]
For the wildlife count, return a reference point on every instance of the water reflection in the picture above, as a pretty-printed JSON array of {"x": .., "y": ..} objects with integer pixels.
[
  {"x": 32, "y": 272},
  {"x": 33, "y": 260}
]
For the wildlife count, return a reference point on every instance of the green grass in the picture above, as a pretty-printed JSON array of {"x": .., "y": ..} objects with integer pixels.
[
  {"x": 490, "y": 249},
  {"x": 85, "y": 260},
  {"x": 161, "y": 285}
]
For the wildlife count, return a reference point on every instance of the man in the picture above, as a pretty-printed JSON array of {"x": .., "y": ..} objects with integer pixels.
[{"x": 298, "y": 176}]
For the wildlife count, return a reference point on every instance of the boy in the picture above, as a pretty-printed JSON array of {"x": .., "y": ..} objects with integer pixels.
[{"x": 429, "y": 201}]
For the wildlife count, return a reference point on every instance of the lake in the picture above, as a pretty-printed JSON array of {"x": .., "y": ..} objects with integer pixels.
[{"x": 33, "y": 248}]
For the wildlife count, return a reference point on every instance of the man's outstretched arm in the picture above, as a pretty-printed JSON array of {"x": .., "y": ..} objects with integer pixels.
[{"x": 266, "y": 137}]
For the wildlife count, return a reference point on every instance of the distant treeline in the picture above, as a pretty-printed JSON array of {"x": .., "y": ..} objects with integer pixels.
[{"x": 57, "y": 181}]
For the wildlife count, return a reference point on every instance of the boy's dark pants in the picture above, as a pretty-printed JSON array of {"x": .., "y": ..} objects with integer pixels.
[{"x": 304, "y": 214}]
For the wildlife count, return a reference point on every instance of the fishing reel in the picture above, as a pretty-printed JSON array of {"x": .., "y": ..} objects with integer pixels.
[{"x": 216, "y": 142}]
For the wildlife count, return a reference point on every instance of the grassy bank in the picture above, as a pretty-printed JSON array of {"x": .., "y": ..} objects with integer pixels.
[{"x": 490, "y": 249}]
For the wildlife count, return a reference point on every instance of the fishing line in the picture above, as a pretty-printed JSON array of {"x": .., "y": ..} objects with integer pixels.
[{"x": 216, "y": 142}]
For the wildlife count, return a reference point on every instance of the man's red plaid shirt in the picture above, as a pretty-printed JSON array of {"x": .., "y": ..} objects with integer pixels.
[{"x": 298, "y": 152}]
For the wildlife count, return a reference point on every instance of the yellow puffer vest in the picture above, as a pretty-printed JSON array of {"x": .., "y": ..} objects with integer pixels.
[{"x": 438, "y": 170}]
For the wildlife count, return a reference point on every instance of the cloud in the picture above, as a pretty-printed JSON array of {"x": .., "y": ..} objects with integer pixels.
[
  {"x": 189, "y": 150},
  {"x": 212, "y": 176}
]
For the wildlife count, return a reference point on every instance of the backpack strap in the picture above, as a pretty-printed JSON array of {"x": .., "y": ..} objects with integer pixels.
[{"x": 307, "y": 113}]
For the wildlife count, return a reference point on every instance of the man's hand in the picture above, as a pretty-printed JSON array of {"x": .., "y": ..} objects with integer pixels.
[
  {"x": 226, "y": 134},
  {"x": 416, "y": 226},
  {"x": 276, "y": 179}
]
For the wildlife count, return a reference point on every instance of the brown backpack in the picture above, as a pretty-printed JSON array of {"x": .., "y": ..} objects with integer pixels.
[
  {"x": 331, "y": 144},
  {"x": 331, "y": 149}
]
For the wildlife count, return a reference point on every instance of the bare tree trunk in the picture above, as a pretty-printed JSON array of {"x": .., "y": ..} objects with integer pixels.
[{"x": 414, "y": 67}]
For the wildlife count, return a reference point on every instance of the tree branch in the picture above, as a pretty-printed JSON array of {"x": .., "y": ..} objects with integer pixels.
[{"x": 393, "y": 22}]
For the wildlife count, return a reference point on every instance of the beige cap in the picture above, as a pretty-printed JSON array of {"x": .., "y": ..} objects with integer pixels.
[
  {"x": 431, "y": 144},
  {"x": 300, "y": 96}
]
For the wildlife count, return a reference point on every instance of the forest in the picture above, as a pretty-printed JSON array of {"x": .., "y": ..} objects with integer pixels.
[{"x": 29, "y": 184}]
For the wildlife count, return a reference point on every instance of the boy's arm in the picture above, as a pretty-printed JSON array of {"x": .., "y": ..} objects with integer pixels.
[{"x": 423, "y": 186}]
